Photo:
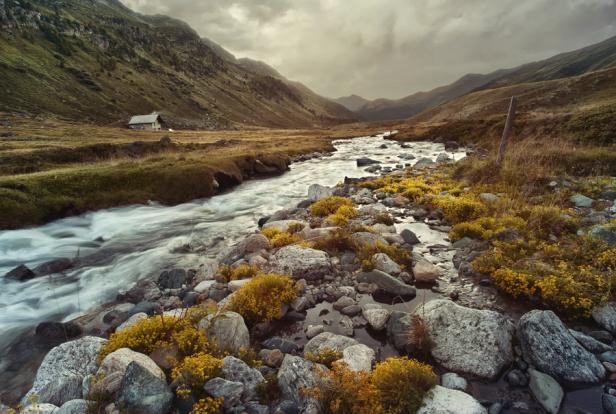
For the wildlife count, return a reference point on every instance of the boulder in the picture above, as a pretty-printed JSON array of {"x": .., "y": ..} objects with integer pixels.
[
  {"x": 39, "y": 408},
  {"x": 235, "y": 285},
  {"x": 443, "y": 157},
  {"x": 314, "y": 330},
  {"x": 546, "y": 391},
  {"x": 286, "y": 346},
  {"x": 251, "y": 244},
  {"x": 300, "y": 263},
  {"x": 453, "y": 381},
  {"x": 21, "y": 273},
  {"x": 376, "y": 316},
  {"x": 113, "y": 368},
  {"x": 228, "y": 330},
  {"x": 590, "y": 343},
  {"x": 441, "y": 400},
  {"x": 207, "y": 270},
  {"x": 363, "y": 162},
  {"x": 132, "y": 321},
  {"x": 60, "y": 375},
  {"x": 605, "y": 315},
  {"x": 142, "y": 392},
  {"x": 284, "y": 225},
  {"x": 174, "y": 279},
  {"x": 365, "y": 239},
  {"x": 605, "y": 232},
  {"x": 476, "y": 342},
  {"x": 73, "y": 407},
  {"x": 319, "y": 233},
  {"x": 387, "y": 283},
  {"x": 317, "y": 192},
  {"x": 424, "y": 162},
  {"x": 426, "y": 272},
  {"x": 57, "y": 332},
  {"x": 581, "y": 201},
  {"x": 294, "y": 376},
  {"x": 236, "y": 370},
  {"x": 229, "y": 390},
  {"x": 358, "y": 357},
  {"x": 409, "y": 237},
  {"x": 328, "y": 340},
  {"x": 384, "y": 263},
  {"x": 609, "y": 403},
  {"x": 488, "y": 197},
  {"x": 53, "y": 266},
  {"x": 547, "y": 344},
  {"x": 398, "y": 327}
]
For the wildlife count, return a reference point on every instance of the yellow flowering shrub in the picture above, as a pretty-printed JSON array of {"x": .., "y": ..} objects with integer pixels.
[
  {"x": 194, "y": 371},
  {"x": 271, "y": 232},
  {"x": 458, "y": 209},
  {"x": 547, "y": 220},
  {"x": 262, "y": 298},
  {"x": 342, "y": 215},
  {"x": 514, "y": 283},
  {"x": 343, "y": 391},
  {"x": 325, "y": 356},
  {"x": 606, "y": 260},
  {"x": 207, "y": 405},
  {"x": 229, "y": 273},
  {"x": 402, "y": 383},
  {"x": 484, "y": 228},
  {"x": 366, "y": 253},
  {"x": 329, "y": 205}
]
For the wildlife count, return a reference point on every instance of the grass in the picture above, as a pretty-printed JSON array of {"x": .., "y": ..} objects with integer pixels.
[{"x": 53, "y": 168}]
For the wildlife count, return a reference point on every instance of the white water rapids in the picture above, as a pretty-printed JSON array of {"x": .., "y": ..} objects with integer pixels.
[{"x": 119, "y": 246}]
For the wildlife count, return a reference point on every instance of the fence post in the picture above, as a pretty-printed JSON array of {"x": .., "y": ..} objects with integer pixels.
[{"x": 506, "y": 131}]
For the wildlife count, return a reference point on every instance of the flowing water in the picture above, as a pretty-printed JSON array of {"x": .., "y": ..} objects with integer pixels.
[{"x": 119, "y": 246}]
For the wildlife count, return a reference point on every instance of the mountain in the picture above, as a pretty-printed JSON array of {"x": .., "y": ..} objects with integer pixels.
[
  {"x": 595, "y": 57},
  {"x": 98, "y": 61},
  {"x": 352, "y": 102}
]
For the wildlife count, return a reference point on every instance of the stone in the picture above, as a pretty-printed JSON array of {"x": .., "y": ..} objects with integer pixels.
[
  {"x": 328, "y": 340},
  {"x": 605, "y": 316},
  {"x": 351, "y": 310},
  {"x": 409, "y": 237},
  {"x": 294, "y": 376},
  {"x": 236, "y": 370},
  {"x": 609, "y": 356},
  {"x": 384, "y": 263},
  {"x": 426, "y": 272},
  {"x": 546, "y": 391},
  {"x": 314, "y": 330},
  {"x": 207, "y": 270},
  {"x": 581, "y": 201},
  {"x": 272, "y": 358},
  {"x": 231, "y": 391},
  {"x": 387, "y": 283},
  {"x": 365, "y": 239},
  {"x": 113, "y": 368},
  {"x": 286, "y": 346},
  {"x": 251, "y": 244},
  {"x": 228, "y": 330},
  {"x": 343, "y": 302},
  {"x": 363, "y": 162},
  {"x": 488, "y": 197},
  {"x": 317, "y": 192},
  {"x": 547, "y": 344},
  {"x": 174, "y": 279},
  {"x": 398, "y": 328},
  {"x": 285, "y": 225},
  {"x": 609, "y": 403},
  {"x": 53, "y": 267},
  {"x": 301, "y": 263},
  {"x": 358, "y": 357},
  {"x": 39, "y": 408},
  {"x": 424, "y": 162},
  {"x": 605, "y": 232},
  {"x": 235, "y": 285},
  {"x": 443, "y": 157},
  {"x": 21, "y": 273},
  {"x": 132, "y": 321},
  {"x": 73, "y": 407},
  {"x": 441, "y": 400},
  {"x": 59, "y": 377},
  {"x": 141, "y": 392},
  {"x": 590, "y": 343},
  {"x": 453, "y": 381},
  {"x": 57, "y": 332},
  {"x": 204, "y": 286},
  {"x": 376, "y": 316},
  {"x": 476, "y": 342},
  {"x": 516, "y": 378}
]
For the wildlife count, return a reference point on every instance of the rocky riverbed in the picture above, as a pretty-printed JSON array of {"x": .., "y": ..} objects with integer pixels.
[{"x": 493, "y": 354}]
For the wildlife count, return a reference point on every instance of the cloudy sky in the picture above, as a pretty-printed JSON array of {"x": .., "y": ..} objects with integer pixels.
[{"x": 391, "y": 48}]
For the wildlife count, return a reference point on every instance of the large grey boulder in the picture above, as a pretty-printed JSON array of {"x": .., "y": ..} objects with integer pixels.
[
  {"x": 63, "y": 369},
  {"x": 328, "y": 340},
  {"x": 141, "y": 392},
  {"x": 229, "y": 390},
  {"x": 548, "y": 345},
  {"x": 301, "y": 263},
  {"x": 605, "y": 315},
  {"x": 398, "y": 327},
  {"x": 358, "y": 357},
  {"x": 384, "y": 263},
  {"x": 296, "y": 375},
  {"x": 228, "y": 330},
  {"x": 113, "y": 368},
  {"x": 441, "y": 400},
  {"x": 580, "y": 200},
  {"x": 546, "y": 391},
  {"x": 387, "y": 283},
  {"x": 73, "y": 407},
  {"x": 236, "y": 370},
  {"x": 317, "y": 192},
  {"x": 477, "y": 342}
]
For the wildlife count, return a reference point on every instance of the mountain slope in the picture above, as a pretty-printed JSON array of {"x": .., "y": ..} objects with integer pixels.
[
  {"x": 99, "y": 61},
  {"x": 352, "y": 102},
  {"x": 595, "y": 57}
]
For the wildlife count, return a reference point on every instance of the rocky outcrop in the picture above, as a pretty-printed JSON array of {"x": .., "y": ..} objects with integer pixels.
[
  {"x": 142, "y": 392},
  {"x": 548, "y": 345},
  {"x": 300, "y": 263},
  {"x": 227, "y": 330},
  {"x": 441, "y": 400},
  {"x": 477, "y": 342},
  {"x": 60, "y": 376}
]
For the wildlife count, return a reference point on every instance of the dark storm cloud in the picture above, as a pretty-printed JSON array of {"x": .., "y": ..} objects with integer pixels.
[{"x": 390, "y": 48}]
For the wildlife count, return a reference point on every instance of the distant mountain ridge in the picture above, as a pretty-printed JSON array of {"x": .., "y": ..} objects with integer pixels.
[
  {"x": 591, "y": 58},
  {"x": 98, "y": 61},
  {"x": 352, "y": 102}
]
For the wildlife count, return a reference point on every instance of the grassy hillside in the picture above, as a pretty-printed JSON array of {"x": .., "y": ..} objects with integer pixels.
[{"x": 100, "y": 62}]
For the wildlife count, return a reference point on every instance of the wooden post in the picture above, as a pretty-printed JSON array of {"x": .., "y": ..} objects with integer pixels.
[{"x": 506, "y": 131}]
